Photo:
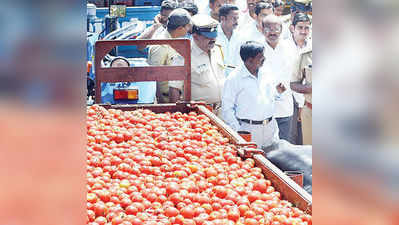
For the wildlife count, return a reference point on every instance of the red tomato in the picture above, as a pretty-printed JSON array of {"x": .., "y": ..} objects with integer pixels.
[
  {"x": 171, "y": 212},
  {"x": 100, "y": 220},
  {"x": 187, "y": 212}
]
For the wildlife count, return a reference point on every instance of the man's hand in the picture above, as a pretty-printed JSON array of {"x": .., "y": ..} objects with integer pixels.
[
  {"x": 299, "y": 115},
  {"x": 157, "y": 19},
  {"x": 280, "y": 88}
]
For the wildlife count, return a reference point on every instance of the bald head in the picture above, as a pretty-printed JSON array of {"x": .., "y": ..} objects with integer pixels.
[
  {"x": 272, "y": 19},
  {"x": 272, "y": 27}
]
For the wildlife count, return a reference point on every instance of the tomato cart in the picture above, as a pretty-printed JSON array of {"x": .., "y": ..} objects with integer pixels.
[{"x": 288, "y": 189}]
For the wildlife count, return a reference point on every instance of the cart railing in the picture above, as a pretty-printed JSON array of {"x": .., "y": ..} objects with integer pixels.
[{"x": 147, "y": 73}]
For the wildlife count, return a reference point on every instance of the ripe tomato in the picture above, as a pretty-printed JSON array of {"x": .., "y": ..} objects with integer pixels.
[
  {"x": 173, "y": 168},
  {"x": 171, "y": 212}
]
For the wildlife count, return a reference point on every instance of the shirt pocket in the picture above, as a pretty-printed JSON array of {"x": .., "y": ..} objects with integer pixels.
[{"x": 202, "y": 75}]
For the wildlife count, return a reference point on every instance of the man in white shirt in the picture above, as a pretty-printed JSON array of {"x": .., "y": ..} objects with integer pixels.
[
  {"x": 248, "y": 99},
  {"x": 227, "y": 37},
  {"x": 253, "y": 30},
  {"x": 280, "y": 59}
]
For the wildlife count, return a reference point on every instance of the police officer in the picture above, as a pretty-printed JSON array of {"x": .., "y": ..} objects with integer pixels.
[
  {"x": 304, "y": 6},
  {"x": 207, "y": 67},
  {"x": 179, "y": 23},
  {"x": 302, "y": 83}
]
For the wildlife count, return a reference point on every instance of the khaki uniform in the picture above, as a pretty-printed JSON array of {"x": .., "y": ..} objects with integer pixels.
[
  {"x": 164, "y": 55},
  {"x": 207, "y": 68},
  {"x": 207, "y": 75},
  {"x": 304, "y": 74}
]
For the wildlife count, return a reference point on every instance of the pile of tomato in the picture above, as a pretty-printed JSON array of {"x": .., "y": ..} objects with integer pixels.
[{"x": 145, "y": 168}]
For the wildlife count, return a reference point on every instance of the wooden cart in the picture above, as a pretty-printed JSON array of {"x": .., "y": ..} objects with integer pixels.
[{"x": 289, "y": 190}]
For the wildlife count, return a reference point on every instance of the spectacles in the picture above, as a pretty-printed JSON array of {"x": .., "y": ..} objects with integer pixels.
[{"x": 274, "y": 29}]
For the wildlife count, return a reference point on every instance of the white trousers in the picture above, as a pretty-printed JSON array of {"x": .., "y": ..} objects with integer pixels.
[{"x": 262, "y": 135}]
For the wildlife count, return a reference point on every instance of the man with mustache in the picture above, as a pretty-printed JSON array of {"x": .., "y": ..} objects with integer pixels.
[
  {"x": 227, "y": 37},
  {"x": 248, "y": 97},
  {"x": 281, "y": 60},
  {"x": 300, "y": 30},
  {"x": 253, "y": 30},
  {"x": 297, "y": 6},
  {"x": 299, "y": 40},
  {"x": 207, "y": 68}
]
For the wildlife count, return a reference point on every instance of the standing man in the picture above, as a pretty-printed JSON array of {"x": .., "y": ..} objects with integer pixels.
[
  {"x": 300, "y": 29},
  {"x": 227, "y": 38},
  {"x": 279, "y": 6},
  {"x": 253, "y": 31},
  {"x": 302, "y": 83},
  {"x": 179, "y": 23},
  {"x": 207, "y": 69},
  {"x": 160, "y": 20},
  {"x": 281, "y": 61},
  {"x": 214, "y": 6},
  {"x": 297, "y": 6},
  {"x": 248, "y": 99}
]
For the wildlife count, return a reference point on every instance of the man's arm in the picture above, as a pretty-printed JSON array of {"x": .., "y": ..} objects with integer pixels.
[
  {"x": 147, "y": 34},
  {"x": 174, "y": 94},
  {"x": 297, "y": 86},
  {"x": 228, "y": 105}
]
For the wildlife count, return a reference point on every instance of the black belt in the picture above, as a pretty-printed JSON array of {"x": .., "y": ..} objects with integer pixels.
[{"x": 256, "y": 122}]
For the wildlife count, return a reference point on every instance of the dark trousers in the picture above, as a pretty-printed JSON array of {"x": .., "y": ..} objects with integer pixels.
[
  {"x": 284, "y": 126},
  {"x": 296, "y": 128}
]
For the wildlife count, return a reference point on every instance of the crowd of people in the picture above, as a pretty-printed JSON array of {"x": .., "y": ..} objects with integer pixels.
[{"x": 251, "y": 63}]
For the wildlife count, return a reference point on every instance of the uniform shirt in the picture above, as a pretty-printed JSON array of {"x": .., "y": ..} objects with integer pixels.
[
  {"x": 247, "y": 97},
  {"x": 300, "y": 98},
  {"x": 281, "y": 62},
  {"x": 207, "y": 75},
  {"x": 228, "y": 49},
  {"x": 304, "y": 71},
  {"x": 164, "y": 55}
]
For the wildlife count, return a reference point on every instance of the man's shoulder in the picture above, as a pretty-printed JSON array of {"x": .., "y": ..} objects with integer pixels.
[
  {"x": 235, "y": 75},
  {"x": 286, "y": 18}
]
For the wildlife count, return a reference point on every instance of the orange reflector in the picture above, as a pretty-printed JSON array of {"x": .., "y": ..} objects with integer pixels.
[{"x": 126, "y": 94}]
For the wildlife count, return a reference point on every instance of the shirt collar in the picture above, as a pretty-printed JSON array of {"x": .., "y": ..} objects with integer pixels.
[
  {"x": 293, "y": 41},
  {"x": 245, "y": 72},
  {"x": 196, "y": 50}
]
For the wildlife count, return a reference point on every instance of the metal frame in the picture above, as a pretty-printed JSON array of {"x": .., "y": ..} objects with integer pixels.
[
  {"x": 149, "y": 73},
  {"x": 289, "y": 190}
]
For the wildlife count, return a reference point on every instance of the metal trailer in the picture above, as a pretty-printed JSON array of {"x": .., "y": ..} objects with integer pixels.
[{"x": 289, "y": 190}]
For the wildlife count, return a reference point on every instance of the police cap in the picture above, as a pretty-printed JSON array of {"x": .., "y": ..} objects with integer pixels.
[
  {"x": 205, "y": 25},
  {"x": 301, "y": 5}
]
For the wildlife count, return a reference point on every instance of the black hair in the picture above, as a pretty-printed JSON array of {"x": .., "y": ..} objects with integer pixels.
[
  {"x": 190, "y": 7},
  {"x": 300, "y": 17},
  {"x": 262, "y": 5},
  {"x": 278, "y": 3},
  {"x": 250, "y": 49},
  {"x": 225, "y": 9},
  {"x": 212, "y": 1},
  {"x": 117, "y": 58},
  {"x": 168, "y": 5}
]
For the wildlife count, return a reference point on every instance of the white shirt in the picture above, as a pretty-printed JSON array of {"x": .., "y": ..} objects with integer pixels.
[
  {"x": 247, "y": 97},
  {"x": 251, "y": 33},
  {"x": 228, "y": 48},
  {"x": 203, "y": 7},
  {"x": 281, "y": 62}
]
